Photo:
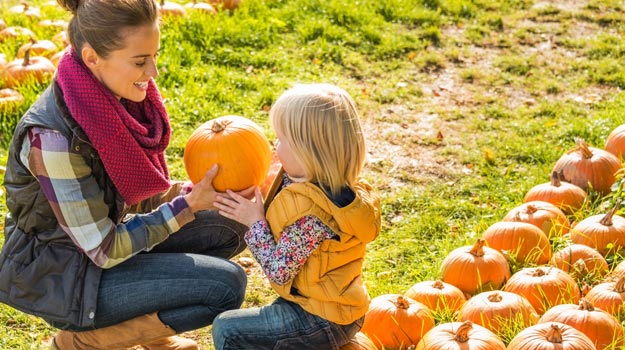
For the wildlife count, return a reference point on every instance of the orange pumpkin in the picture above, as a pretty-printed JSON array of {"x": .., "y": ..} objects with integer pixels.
[
  {"x": 237, "y": 145},
  {"x": 544, "y": 215},
  {"x": 605, "y": 233},
  {"x": 498, "y": 310},
  {"x": 2, "y": 24},
  {"x": 3, "y": 60},
  {"x": 225, "y": 4},
  {"x": 568, "y": 260},
  {"x": 29, "y": 69},
  {"x": 609, "y": 296},
  {"x": 53, "y": 23},
  {"x": 203, "y": 7},
  {"x": 460, "y": 335},
  {"x": 44, "y": 48},
  {"x": 588, "y": 167},
  {"x": 474, "y": 269},
  {"x": 15, "y": 32},
  {"x": 603, "y": 329},
  {"x": 564, "y": 195},
  {"x": 10, "y": 99},
  {"x": 615, "y": 143},
  {"x": 25, "y": 9},
  {"x": 551, "y": 336},
  {"x": 168, "y": 8},
  {"x": 394, "y": 321},
  {"x": 359, "y": 342},
  {"x": 544, "y": 287},
  {"x": 526, "y": 243},
  {"x": 437, "y": 295}
]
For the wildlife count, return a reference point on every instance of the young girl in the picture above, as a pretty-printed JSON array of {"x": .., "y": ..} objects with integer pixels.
[{"x": 311, "y": 242}]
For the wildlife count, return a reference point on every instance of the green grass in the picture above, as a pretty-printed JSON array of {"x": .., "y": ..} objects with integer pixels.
[{"x": 466, "y": 104}]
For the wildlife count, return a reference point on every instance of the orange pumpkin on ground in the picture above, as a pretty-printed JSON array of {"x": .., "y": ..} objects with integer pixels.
[
  {"x": 602, "y": 328},
  {"x": 551, "y": 336},
  {"x": 476, "y": 268},
  {"x": 394, "y": 321},
  {"x": 45, "y": 48},
  {"x": 544, "y": 215},
  {"x": 588, "y": 167},
  {"x": 615, "y": 143},
  {"x": 605, "y": 233},
  {"x": 544, "y": 287},
  {"x": 359, "y": 342},
  {"x": 225, "y": 4},
  {"x": 237, "y": 145},
  {"x": 498, "y": 310},
  {"x": 523, "y": 242},
  {"x": 564, "y": 195},
  {"x": 580, "y": 260},
  {"x": 437, "y": 295},
  {"x": 460, "y": 335},
  {"x": 10, "y": 99},
  {"x": 29, "y": 69},
  {"x": 609, "y": 296},
  {"x": 200, "y": 6},
  {"x": 168, "y": 8}
]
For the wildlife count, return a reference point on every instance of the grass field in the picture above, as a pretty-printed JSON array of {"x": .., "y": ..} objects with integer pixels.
[{"x": 466, "y": 106}]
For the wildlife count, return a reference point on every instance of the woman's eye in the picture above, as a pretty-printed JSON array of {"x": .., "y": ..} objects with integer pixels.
[{"x": 140, "y": 64}]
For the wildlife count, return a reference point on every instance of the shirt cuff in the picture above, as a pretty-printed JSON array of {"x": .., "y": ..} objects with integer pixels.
[{"x": 181, "y": 211}]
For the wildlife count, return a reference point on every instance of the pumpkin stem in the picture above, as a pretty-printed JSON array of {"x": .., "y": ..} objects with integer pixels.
[
  {"x": 607, "y": 219},
  {"x": 495, "y": 297},
  {"x": 217, "y": 127},
  {"x": 402, "y": 303},
  {"x": 438, "y": 284},
  {"x": 585, "y": 305},
  {"x": 620, "y": 283},
  {"x": 555, "y": 179},
  {"x": 462, "y": 334},
  {"x": 478, "y": 248},
  {"x": 555, "y": 334},
  {"x": 26, "y": 61},
  {"x": 583, "y": 148},
  {"x": 531, "y": 209},
  {"x": 538, "y": 272}
]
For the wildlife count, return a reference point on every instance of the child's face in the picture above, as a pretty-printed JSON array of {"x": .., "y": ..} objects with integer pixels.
[{"x": 287, "y": 157}]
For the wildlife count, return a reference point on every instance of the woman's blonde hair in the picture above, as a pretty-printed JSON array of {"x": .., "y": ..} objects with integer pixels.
[{"x": 322, "y": 126}]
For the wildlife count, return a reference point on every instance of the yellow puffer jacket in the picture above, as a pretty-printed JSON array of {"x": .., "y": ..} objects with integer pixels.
[{"x": 330, "y": 283}]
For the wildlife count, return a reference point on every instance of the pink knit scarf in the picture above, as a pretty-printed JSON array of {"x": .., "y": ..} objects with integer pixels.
[{"x": 131, "y": 141}]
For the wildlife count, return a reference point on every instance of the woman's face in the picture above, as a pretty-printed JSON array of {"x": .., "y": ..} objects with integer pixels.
[{"x": 126, "y": 72}]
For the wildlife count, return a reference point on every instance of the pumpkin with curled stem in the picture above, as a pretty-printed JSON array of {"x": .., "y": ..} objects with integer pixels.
[
  {"x": 29, "y": 69},
  {"x": 609, "y": 296},
  {"x": 394, "y": 321},
  {"x": 237, "y": 145},
  {"x": 551, "y": 336},
  {"x": 567, "y": 259},
  {"x": 460, "y": 335},
  {"x": 603, "y": 232},
  {"x": 564, "y": 195},
  {"x": 544, "y": 215}
]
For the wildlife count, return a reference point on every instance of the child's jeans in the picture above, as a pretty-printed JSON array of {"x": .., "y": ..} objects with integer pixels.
[{"x": 282, "y": 325}]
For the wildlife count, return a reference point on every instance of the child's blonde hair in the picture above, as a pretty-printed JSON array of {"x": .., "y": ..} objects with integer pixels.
[{"x": 321, "y": 124}]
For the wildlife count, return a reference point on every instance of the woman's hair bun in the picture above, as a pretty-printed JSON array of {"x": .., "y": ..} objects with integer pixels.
[{"x": 70, "y": 5}]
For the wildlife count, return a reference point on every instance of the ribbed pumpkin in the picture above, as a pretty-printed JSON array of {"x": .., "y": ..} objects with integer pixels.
[
  {"x": 588, "y": 167},
  {"x": 437, "y": 295},
  {"x": 237, "y": 145},
  {"x": 564, "y": 195},
  {"x": 544, "y": 215},
  {"x": 394, "y": 321},
  {"x": 359, "y": 342},
  {"x": 601, "y": 327},
  {"x": 551, "y": 336},
  {"x": 615, "y": 143},
  {"x": 605, "y": 233},
  {"x": 29, "y": 69},
  {"x": 498, "y": 310},
  {"x": 609, "y": 296},
  {"x": 476, "y": 268},
  {"x": 524, "y": 242},
  {"x": 460, "y": 335},
  {"x": 568, "y": 259},
  {"x": 544, "y": 287},
  {"x": 10, "y": 99}
]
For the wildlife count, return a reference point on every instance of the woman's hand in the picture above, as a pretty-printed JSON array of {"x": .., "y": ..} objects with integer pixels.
[{"x": 237, "y": 207}]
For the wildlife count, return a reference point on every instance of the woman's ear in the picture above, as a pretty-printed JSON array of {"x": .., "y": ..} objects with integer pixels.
[{"x": 89, "y": 56}]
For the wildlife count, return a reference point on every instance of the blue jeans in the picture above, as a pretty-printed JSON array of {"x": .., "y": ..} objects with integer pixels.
[
  {"x": 282, "y": 325},
  {"x": 187, "y": 278}
]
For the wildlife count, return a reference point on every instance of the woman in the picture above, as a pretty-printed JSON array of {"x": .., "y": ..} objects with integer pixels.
[{"x": 89, "y": 195}]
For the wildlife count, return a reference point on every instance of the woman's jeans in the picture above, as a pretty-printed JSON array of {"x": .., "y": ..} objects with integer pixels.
[
  {"x": 187, "y": 278},
  {"x": 282, "y": 325}
]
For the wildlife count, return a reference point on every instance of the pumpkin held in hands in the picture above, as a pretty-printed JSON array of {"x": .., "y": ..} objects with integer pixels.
[{"x": 237, "y": 145}]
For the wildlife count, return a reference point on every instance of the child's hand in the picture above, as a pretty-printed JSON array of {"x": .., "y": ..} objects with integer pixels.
[{"x": 238, "y": 208}]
